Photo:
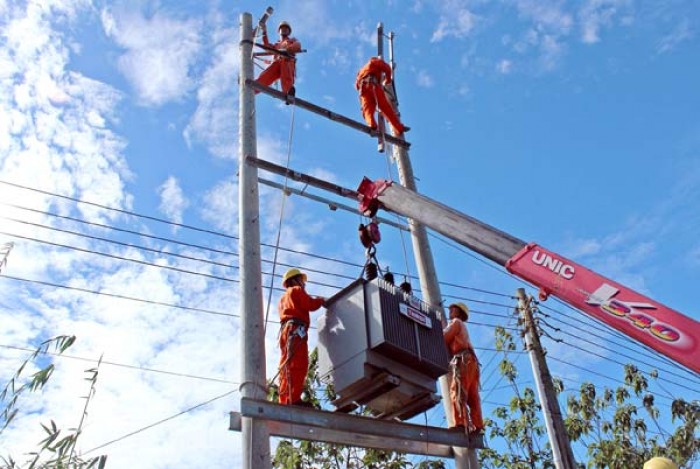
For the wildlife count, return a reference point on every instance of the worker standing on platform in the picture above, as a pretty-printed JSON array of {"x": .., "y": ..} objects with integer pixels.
[
  {"x": 283, "y": 67},
  {"x": 464, "y": 367},
  {"x": 369, "y": 82},
  {"x": 295, "y": 307}
]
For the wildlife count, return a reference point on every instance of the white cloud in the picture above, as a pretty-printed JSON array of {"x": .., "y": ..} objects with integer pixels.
[
  {"x": 681, "y": 33},
  {"x": 220, "y": 206},
  {"x": 56, "y": 127},
  {"x": 456, "y": 21},
  {"x": 172, "y": 200},
  {"x": 214, "y": 123},
  {"x": 424, "y": 79},
  {"x": 504, "y": 66},
  {"x": 160, "y": 53},
  {"x": 595, "y": 15},
  {"x": 547, "y": 15}
]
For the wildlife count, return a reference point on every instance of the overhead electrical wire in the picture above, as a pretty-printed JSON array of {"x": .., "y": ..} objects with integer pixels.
[
  {"x": 591, "y": 352},
  {"x": 617, "y": 352},
  {"x": 121, "y": 365},
  {"x": 195, "y": 228},
  {"x": 644, "y": 352},
  {"x": 295, "y": 251},
  {"x": 159, "y": 422},
  {"x": 601, "y": 326}
]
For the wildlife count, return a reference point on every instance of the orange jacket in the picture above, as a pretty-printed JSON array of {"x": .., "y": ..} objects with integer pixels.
[
  {"x": 457, "y": 337},
  {"x": 375, "y": 68},
  {"x": 291, "y": 45},
  {"x": 297, "y": 304}
]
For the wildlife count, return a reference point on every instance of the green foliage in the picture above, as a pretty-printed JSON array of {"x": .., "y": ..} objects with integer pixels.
[
  {"x": 617, "y": 434},
  {"x": 619, "y": 427},
  {"x": 57, "y": 448},
  {"x": 304, "y": 454},
  {"x": 518, "y": 424}
]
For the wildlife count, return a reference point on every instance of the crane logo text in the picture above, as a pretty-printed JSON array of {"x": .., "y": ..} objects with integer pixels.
[{"x": 555, "y": 265}]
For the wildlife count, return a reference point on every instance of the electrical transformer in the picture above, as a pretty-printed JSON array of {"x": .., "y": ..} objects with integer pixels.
[{"x": 381, "y": 348}]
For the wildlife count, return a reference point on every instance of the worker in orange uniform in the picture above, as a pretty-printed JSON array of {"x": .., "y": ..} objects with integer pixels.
[
  {"x": 294, "y": 307},
  {"x": 464, "y": 367},
  {"x": 283, "y": 67},
  {"x": 369, "y": 82}
]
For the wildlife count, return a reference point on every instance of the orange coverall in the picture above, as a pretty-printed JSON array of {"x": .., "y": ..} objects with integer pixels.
[
  {"x": 294, "y": 307},
  {"x": 281, "y": 68},
  {"x": 369, "y": 84},
  {"x": 464, "y": 387}
]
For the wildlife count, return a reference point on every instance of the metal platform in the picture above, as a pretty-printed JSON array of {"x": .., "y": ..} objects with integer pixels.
[{"x": 353, "y": 430}]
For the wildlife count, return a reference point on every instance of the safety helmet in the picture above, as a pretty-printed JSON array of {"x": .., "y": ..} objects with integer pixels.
[
  {"x": 660, "y": 463},
  {"x": 291, "y": 273},
  {"x": 463, "y": 308},
  {"x": 284, "y": 23}
]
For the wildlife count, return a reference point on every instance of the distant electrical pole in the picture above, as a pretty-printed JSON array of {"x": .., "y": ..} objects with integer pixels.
[
  {"x": 558, "y": 439},
  {"x": 4, "y": 253},
  {"x": 464, "y": 458},
  {"x": 256, "y": 438}
]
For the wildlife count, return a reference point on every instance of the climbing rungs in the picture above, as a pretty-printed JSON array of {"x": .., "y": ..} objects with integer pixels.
[{"x": 324, "y": 112}]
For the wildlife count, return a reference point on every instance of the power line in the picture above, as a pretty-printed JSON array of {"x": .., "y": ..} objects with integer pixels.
[
  {"x": 119, "y": 210},
  {"x": 590, "y": 352},
  {"x": 601, "y": 326},
  {"x": 191, "y": 227},
  {"x": 114, "y": 256},
  {"x": 122, "y": 365},
  {"x": 644, "y": 352},
  {"x": 637, "y": 360},
  {"x": 135, "y": 432}
]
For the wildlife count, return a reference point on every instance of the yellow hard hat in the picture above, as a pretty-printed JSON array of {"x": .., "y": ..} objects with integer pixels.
[
  {"x": 464, "y": 308},
  {"x": 284, "y": 23},
  {"x": 291, "y": 273},
  {"x": 660, "y": 463}
]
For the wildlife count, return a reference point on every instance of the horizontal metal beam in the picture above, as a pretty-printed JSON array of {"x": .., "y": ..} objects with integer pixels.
[
  {"x": 301, "y": 177},
  {"x": 325, "y": 113},
  {"x": 333, "y": 205},
  {"x": 353, "y": 430}
]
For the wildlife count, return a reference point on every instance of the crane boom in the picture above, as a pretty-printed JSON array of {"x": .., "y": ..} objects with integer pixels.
[{"x": 665, "y": 330}]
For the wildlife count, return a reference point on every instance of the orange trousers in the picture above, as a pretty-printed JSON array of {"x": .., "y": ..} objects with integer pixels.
[
  {"x": 294, "y": 363},
  {"x": 371, "y": 96},
  {"x": 280, "y": 69},
  {"x": 464, "y": 392}
]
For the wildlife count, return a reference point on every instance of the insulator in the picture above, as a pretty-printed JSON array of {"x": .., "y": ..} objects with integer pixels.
[
  {"x": 371, "y": 271},
  {"x": 389, "y": 278}
]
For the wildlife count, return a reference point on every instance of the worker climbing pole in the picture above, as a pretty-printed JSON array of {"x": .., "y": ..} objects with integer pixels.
[{"x": 284, "y": 51}]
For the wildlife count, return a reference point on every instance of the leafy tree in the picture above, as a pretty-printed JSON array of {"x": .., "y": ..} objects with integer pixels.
[
  {"x": 303, "y": 454},
  {"x": 611, "y": 424},
  {"x": 58, "y": 449},
  {"x": 614, "y": 428}
]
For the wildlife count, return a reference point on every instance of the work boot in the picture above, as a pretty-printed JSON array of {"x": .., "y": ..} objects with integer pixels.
[
  {"x": 303, "y": 404},
  {"x": 289, "y": 99}
]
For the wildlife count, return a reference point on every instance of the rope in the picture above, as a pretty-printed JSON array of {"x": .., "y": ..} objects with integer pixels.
[{"x": 279, "y": 226}]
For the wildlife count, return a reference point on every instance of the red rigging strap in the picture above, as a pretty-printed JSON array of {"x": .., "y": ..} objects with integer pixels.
[
  {"x": 665, "y": 330},
  {"x": 368, "y": 191}
]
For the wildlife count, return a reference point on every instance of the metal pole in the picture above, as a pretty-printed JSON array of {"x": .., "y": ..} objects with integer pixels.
[
  {"x": 381, "y": 125},
  {"x": 464, "y": 459},
  {"x": 561, "y": 448},
  {"x": 256, "y": 439}
]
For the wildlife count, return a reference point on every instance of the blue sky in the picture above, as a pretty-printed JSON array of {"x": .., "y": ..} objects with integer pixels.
[{"x": 571, "y": 124}]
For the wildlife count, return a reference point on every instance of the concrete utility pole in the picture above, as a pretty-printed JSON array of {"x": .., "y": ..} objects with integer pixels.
[
  {"x": 464, "y": 458},
  {"x": 558, "y": 439},
  {"x": 256, "y": 439}
]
